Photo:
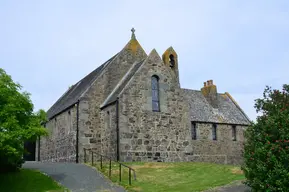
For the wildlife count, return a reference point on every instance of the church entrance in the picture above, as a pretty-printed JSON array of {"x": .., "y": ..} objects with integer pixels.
[{"x": 30, "y": 147}]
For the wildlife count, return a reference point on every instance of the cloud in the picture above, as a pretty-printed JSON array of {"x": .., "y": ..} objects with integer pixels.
[{"x": 241, "y": 45}]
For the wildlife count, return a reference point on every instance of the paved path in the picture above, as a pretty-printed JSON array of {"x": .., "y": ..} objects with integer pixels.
[
  {"x": 76, "y": 177},
  {"x": 238, "y": 188},
  {"x": 233, "y": 187}
]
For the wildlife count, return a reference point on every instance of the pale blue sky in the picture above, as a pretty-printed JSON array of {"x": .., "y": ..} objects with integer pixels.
[{"x": 242, "y": 45}]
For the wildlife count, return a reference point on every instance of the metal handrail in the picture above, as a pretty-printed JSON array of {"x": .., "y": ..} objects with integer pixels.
[{"x": 110, "y": 161}]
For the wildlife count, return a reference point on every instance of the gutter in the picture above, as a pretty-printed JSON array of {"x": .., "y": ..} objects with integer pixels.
[
  {"x": 117, "y": 129},
  {"x": 77, "y": 132}
]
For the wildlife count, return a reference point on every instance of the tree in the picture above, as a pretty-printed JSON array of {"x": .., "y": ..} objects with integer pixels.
[
  {"x": 18, "y": 123},
  {"x": 266, "y": 150}
]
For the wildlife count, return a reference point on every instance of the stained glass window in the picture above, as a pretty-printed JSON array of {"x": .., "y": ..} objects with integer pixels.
[{"x": 155, "y": 94}]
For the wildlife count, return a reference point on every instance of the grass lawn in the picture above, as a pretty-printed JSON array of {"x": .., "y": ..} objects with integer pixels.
[
  {"x": 175, "y": 177},
  {"x": 28, "y": 181}
]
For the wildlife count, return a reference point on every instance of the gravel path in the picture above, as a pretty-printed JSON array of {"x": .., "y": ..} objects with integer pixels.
[{"x": 76, "y": 177}]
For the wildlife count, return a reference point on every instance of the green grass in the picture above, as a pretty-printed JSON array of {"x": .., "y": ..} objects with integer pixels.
[
  {"x": 175, "y": 177},
  {"x": 28, "y": 181}
]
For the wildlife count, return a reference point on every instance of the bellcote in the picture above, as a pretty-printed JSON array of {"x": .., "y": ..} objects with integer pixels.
[{"x": 170, "y": 59}]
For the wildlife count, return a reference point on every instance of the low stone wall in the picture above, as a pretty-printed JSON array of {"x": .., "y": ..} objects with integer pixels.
[{"x": 179, "y": 157}]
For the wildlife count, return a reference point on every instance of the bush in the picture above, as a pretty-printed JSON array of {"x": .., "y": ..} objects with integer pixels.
[
  {"x": 18, "y": 123},
  {"x": 266, "y": 150}
]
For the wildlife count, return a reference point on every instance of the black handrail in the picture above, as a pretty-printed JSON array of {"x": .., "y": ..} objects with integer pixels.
[{"x": 110, "y": 160}]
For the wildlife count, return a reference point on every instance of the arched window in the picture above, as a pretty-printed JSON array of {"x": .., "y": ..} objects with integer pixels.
[{"x": 155, "y": 93}]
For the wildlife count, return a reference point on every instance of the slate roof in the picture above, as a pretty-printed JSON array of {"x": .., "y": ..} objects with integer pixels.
[
  {"x": 120, "y": 86},
  {"x": 227, "y": 112},
  {"x": 71, "y": 96}
]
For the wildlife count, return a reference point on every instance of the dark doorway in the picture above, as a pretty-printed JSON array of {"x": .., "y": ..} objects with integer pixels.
[{"x": 30, "y": 148}]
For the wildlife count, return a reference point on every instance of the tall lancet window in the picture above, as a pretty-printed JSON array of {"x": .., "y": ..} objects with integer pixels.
[{"x": 155, "y": 94}]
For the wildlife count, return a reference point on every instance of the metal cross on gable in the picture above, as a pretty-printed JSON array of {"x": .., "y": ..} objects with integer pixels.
[
  {"x": 132, "y": 35},
  {"x": 133, "y": 30}
]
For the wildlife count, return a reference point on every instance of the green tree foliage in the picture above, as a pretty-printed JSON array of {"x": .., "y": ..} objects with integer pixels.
[
  {"x": 18, "y": 123},
  {"x": 266, "y": 152}
]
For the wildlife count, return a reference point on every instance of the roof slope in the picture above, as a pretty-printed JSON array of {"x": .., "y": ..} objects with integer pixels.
[
  {"x": 71, "y": 96},
  {"x": 120, "y": 86},
  {"x": 202, "y": 111}
]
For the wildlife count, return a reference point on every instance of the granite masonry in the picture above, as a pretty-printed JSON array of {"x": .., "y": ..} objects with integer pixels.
[{"x": 132, "y": 108}]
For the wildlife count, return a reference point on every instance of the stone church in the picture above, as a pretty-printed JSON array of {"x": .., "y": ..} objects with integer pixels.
[{"x": 133, "y": 108}]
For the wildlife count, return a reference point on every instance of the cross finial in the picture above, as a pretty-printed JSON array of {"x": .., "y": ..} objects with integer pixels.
[{"x": 133, "y": 35}]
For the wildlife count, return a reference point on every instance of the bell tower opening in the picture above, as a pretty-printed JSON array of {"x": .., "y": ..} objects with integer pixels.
[{"x": 172, "y": 60}]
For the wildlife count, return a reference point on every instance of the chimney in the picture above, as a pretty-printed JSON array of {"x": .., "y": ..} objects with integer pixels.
[{"x": 210, "y": 93}]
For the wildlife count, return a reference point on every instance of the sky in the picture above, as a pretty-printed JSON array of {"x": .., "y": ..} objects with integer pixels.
[{"x": 46, "y": 46}]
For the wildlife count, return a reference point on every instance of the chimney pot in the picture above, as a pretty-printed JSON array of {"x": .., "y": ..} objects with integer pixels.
[
  {"x": 205, "y": 84},
  {"x": 208, "y": 82},
  {"x": 212, "y": 82}
]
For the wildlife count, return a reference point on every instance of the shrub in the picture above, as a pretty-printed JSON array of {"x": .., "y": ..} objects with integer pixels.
[
  {"x": 18, "y": 123},
  {"x": 266, "y": 150}
]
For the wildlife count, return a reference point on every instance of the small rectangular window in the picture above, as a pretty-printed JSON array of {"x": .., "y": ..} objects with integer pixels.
[
  {"x": 194, "y": 130},
  {"x": 69, "y": 124},
  {"x": 214, "y": 132},
  {"x": 108, "y": 119},
  {"x": 234, "y": 133}
]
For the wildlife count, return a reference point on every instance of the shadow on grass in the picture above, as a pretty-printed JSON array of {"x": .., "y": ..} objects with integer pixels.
[{"x": 28, "y": 181}]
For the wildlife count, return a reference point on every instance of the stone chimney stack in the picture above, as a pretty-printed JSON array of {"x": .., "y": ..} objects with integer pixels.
[{"x": 210, "y": 92}]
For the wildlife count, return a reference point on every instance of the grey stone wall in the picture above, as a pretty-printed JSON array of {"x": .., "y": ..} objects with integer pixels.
[
  {"x": 59, "y": 146},
  {"x": 109, "y": 134},
  {"x": 147, "y": 135},
  {"x": 93, "y": 129},
  {"x": 223, "y": 150},
  {"x": 132, "y": 52},
  {"x": 166, "y": 135}
]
